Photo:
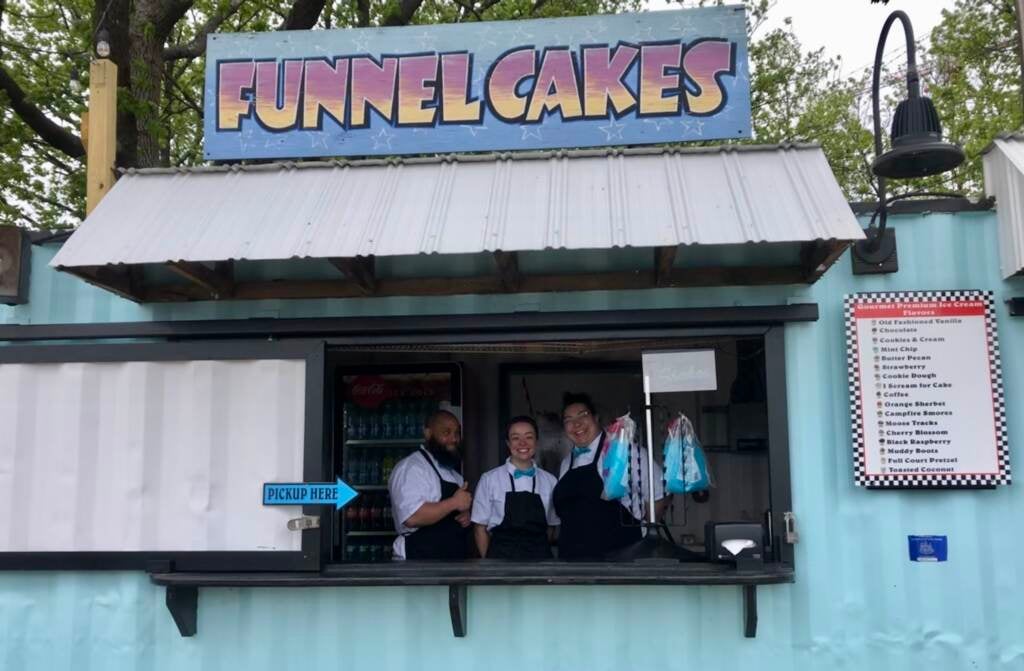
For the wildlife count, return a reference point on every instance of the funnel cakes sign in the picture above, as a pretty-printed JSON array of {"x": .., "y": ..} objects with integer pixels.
[{"x": 576, "y": 82}]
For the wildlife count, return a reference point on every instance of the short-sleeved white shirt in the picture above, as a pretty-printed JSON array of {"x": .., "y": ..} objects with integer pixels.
[
  {"x": 413, "y": 483},
  {"x": 489, "y": 498},
  {"x": 638, "y": 480}
]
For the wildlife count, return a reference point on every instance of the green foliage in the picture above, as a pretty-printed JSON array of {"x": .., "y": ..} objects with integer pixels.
[{"x": 971, "y": 69}]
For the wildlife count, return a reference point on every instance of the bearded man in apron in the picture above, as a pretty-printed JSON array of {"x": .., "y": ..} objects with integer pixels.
[{"x": 429, "y": 497}]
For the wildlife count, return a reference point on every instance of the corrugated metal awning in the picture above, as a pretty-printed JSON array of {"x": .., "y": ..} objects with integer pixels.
[
  {"x": 188, "y": 220},
  {"x": 1004, "y": 179}
]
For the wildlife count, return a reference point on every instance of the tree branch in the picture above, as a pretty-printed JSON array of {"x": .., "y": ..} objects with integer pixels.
[
  {"x": 303, "y": 15},
  {"x": 363, "y": 13},
  {"x": 402, "y": 14},
  {"x": 54, "y": 135},
  {"x": 197, "y": 47}
]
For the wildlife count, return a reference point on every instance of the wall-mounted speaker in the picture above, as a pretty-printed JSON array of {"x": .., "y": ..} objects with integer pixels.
[{"x": 15, "y": 251}]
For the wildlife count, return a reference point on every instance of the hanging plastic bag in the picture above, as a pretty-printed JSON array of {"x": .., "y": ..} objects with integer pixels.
[
  {"x": 686, "y": 467},
  {"x": 615, "y": 466}
]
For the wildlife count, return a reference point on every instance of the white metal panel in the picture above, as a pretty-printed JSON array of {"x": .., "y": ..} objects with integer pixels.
[
  {"x": 593, "y": 199},
  {"x": 148, "y": 456},
  {"x": 1004, "y": 179}
]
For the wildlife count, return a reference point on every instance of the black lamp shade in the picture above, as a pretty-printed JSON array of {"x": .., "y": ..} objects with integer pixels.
[{"x": 917, "y": 146}]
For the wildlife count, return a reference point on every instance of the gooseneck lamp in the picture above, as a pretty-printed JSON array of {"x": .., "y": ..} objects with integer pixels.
[{"x": 918, "y": 150}]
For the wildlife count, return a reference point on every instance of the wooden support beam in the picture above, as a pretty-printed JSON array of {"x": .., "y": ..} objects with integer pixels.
[
  {"x": 818, "y": 256},
  {"x": 508, "y": 270},
  {"x": 101, "y": 150},
  {"x": 124, "y": 281},
  {"x": 664, "y": 257},
  {"x": 359, "y": 269},
  {"x": 217, "y": 281}
]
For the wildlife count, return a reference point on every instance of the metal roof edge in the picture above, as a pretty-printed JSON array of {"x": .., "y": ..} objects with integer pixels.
[{"x": 532, "y": 155}]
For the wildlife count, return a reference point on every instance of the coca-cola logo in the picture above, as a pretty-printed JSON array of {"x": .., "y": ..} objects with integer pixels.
[{"x": 370, "y": 391}]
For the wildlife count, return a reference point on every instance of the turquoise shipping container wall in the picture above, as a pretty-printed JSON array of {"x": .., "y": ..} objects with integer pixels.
[{"x": 857, "y": 603}]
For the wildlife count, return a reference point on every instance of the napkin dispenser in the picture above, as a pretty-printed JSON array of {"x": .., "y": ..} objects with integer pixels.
[{"x": 741, "y": 543}]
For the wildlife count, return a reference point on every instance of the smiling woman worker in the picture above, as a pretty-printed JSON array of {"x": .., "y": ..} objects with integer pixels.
[
  {"x": 591, "y": 526},
  {"x": 512, "y": 513}
]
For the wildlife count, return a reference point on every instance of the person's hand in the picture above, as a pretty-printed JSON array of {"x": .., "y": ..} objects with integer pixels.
[
  {"x": 463, "y": 518},
  {"x": 462, "y": 499}
]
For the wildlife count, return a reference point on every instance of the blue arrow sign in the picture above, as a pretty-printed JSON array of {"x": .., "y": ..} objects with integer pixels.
[{"x": 337, "y": 494}]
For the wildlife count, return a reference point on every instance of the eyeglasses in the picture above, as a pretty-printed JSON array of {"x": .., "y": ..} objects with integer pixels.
[{"x": 578, "y": 419}]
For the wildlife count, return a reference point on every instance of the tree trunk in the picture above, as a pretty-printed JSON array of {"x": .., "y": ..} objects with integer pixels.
[
  {"x": 114, "y": 16},
  {"x": 146, "y": 55}
]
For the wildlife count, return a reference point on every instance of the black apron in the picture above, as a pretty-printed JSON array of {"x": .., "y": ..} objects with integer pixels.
[
  {"x": 523, "y": 533},
  {"x": 445, "y": 539},
  {"x": 591, "y": 527}
]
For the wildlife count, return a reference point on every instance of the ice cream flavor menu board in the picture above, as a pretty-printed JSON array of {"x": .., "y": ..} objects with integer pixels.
[{"x": 926, "y": 391}]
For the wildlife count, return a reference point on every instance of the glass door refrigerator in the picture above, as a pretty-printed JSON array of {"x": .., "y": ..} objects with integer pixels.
[{"x": 382, "y": 412}]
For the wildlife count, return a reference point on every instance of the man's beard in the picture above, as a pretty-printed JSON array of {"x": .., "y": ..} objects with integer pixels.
[{"x": 449, "y": 459}]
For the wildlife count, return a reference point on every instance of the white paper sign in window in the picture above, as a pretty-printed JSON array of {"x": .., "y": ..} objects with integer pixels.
[{"x": 686, "y": 370}]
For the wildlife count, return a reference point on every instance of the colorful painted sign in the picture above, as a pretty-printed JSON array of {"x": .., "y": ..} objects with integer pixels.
[
  {"x": 620, "y": 79},
  {"x": 926, "y": 390},
  {"x": 338, "y": 494}
]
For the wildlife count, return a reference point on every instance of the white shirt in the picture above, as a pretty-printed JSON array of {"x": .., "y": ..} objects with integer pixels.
[
  {"x": 413, "y": 483},
  {"x": 638, "y": 480},
  {"x": 489, "y": 498}
]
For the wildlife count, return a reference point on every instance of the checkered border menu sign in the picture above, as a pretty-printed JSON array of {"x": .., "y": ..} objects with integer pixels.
[{"x": 926, "y": 480}]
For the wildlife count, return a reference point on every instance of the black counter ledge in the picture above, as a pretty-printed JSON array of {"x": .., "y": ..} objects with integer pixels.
[{"x": 182, "y": 588}]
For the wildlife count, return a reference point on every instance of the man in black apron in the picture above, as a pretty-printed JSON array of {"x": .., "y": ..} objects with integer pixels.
[
  {"x": 512, "y": 512},
  {"x": 429, "y": 498},
  {"x": 591, "y": 526}
]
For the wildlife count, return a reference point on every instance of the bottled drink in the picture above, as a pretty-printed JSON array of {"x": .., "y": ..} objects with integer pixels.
[
  {"x": 352, "y": 518},
  {"x": 387, "y": 418},
  {"x": 365, "y": 519},
  {"x": 374, "y": 468},
  {"x": 389, "y": 522},
  {"x": 354, "y": 466},
  {"x": 377, "y": 514},
  {"x": 387, "y": 465}
]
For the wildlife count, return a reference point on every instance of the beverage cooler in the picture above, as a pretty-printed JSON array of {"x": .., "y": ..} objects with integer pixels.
[{"x": 382, "y": 411}]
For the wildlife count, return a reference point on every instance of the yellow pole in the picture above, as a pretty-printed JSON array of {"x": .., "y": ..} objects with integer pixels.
[{"x": 100, "y": 139}]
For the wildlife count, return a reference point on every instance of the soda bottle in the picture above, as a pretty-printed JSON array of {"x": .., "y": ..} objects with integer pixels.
[
  {"x": 377, "y": 514},
  {"x": 389, "y": 522},
  {"x": 352, "y": 518},
  {"x": 387, "y": 419},
  {"x": 365, "y": 518}
]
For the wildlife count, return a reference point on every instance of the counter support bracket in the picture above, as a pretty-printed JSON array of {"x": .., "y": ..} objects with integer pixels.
[
  {"x": 750, "y": 611},
  {"x": 183, "y": 602},
  {"x": 457, "y": 597}
]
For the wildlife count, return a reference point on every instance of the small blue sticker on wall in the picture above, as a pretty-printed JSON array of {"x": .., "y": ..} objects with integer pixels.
[{"x": 927, "y": 548}]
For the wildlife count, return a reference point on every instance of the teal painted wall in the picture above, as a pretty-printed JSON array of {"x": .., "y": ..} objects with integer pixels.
[{"x": 858, "y": 603}]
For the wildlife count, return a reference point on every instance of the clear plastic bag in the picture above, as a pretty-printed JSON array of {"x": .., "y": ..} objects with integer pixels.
[
  {"x": 615, "y": 466},
  {"x": 686, "y": 467}
]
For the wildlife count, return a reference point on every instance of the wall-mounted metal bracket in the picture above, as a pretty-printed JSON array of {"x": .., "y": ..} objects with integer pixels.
[
  {"x": 183, "y": 602},
  {"x": 1016, "y": 306},
  {"x": 457, "y": 597},
  {"x": 750, "y": 611}
]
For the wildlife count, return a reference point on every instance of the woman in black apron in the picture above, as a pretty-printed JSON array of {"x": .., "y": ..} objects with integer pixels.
[
  {"x": 591, "y": 527},
  {"x": 522, "y": 492},
  {"x": 445, "y": 539}
]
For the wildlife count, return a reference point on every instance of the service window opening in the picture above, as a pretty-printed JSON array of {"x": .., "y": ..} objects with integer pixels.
[{"x": 381, "y": 395}]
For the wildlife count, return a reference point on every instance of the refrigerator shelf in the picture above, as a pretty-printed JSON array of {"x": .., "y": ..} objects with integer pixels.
[
  {"x": 370, "y": 488},
  {"x": 370, "y": 533},
  {"x": 384, "y": 442}
]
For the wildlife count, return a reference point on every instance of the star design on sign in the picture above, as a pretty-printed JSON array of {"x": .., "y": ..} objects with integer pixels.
[
  {"x": 741, "y": 73},
  {"x": 685, "y": 125},
  {"x": 698, "y": 127},
  {"x": 531, "y": 131},
  {"x": 682, "y": 25},
  {"x": 318, "y": 140},
  {"x": 361, "y": 43},
  {"x": 473, "y": 130},
  {"x": 426, "y": 40},
  {"x": 659, "y": 123},
  {"x": 485, "y": 39},
  {"x": 519, "y": 35},
  {"x": 613, "y": 131},
  {"x": 645, "y": 34},
  {"x": 383, "y": 139},
  {"x": 270, "y": 143}
]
